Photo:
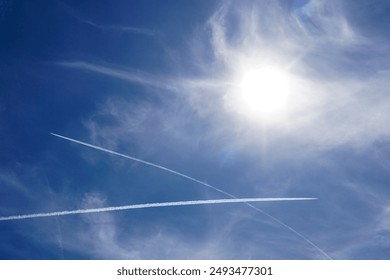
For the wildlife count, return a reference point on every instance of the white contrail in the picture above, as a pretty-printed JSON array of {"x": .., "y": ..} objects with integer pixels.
[
  {"x": 145, "y": 162},
  {"x": 150, "y": 205},
  {"x": 199, "y": 182}
]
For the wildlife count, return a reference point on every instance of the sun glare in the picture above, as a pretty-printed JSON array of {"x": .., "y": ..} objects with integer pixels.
[{"x": 265, "y": 91}]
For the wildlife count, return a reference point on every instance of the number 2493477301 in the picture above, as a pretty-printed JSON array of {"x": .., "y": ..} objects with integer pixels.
[{"x": 242, "y": 270}]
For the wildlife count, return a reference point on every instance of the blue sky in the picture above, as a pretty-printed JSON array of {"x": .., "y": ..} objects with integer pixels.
[{"x": 163, "y": 81}]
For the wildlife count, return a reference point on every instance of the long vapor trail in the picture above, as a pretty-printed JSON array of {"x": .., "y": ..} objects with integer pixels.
[
  {"x": 199, "y": 182},
  {"x": 149, "y": 205},
  {"x": 145, "y": 162}
]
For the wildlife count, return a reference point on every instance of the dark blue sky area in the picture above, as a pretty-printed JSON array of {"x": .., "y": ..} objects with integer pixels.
[{"x": 166, "y": 82}]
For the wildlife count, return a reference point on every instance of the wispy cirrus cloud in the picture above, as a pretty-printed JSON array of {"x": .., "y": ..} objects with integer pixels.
[
  {"x": 109, "y": 27},
  {"x": 339, "y": 93},
  {"x": 133, "y": 76},
  {"x": 134, "y": 30}
]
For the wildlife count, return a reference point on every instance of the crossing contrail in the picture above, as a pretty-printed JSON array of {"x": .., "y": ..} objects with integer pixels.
[
  {"x": 145, "y": 162},
  {"x": 199, "y": 182},
  {"x": 149, "y": 205}
]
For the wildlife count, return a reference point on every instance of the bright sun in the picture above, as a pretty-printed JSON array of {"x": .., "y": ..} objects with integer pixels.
[{"x": 265, "y": 91}]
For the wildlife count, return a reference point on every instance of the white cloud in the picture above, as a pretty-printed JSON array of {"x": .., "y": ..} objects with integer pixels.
[{"x": 336, "y": 102}]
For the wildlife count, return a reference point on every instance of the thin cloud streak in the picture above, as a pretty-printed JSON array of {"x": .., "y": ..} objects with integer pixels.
[
  {"x": 127, "y": 75},
  {"x": 149, "y": 205},
  {"x": 135, "y": 30},
  {"x": 131, "y": 29},
  {"x": 146, "y": 79},
  {"x": 200, "y": 182}
]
